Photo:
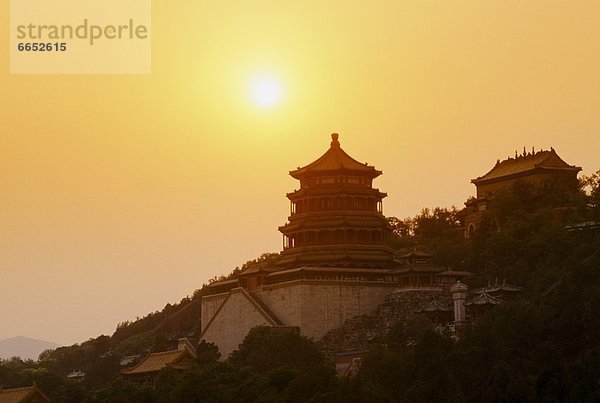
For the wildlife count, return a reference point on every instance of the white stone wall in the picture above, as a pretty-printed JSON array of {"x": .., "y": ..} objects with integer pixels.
[
  {"x": 210, "y": 305},
  {"x": 232, "y": 322},
  {"x": 317, "y": 307}
]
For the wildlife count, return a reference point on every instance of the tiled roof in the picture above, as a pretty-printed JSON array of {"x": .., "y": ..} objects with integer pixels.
[
  {"x": 416, "y": 253},
  {"x": 526, "y": 163},
  {"x": 154, "y": 362},
  {"x": 223, "y": 282},
  {"x": 18, "y": 395},
  {"x": 483, "y": 299},
  {"x": 455, "y": 273},
  {"x": 419, "y": 268},
  {"x": 434, "y": 306},
  {"x": 256, "y": 268},
  {"x": 498, "y": 288},
  {"x": 503, "y": 287},
  {"x": 335, "y": 159}
]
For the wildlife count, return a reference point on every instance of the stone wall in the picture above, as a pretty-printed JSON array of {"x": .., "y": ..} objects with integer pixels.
[
  {"x": 344, "y": 315},
  {"x": 210, "y": 305},
  {"x": 359, "y": 332},
  {"x": 316, "y": 307},
  {"x": 232, "y": 321}
]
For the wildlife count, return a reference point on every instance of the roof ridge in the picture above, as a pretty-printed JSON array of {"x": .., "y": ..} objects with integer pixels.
[
  {"x": 340, "y": 160},
  {"x": 140, "y": 362},
  {"x": 524, "y": 163}
]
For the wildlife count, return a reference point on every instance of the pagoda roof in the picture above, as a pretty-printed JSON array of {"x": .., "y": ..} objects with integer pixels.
[
  {"x": 335, "y": 159},
  {"x": 483, "y": 299},
  {"x": 340, "y": 190},
  {"x": 434, "y": 306},
  {"x": 419, "y": 268},
  {"x": 327, "y": 223},
  {"x": 526, "y": 163},
  {"x": 154, "y": 362},
  {"x": 416, "y": 253}
]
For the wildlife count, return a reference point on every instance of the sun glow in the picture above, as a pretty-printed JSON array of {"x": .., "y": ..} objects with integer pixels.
[{"x": 265, "y": 91}]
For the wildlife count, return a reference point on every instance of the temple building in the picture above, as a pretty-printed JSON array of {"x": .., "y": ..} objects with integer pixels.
[
  {"x": 336, "y": 216},
  {"x": 542, "y": 172},
  {"x": 337, "y": 261},
  {"x": 418, "y": 272},
  {"x": 147, "y": 369},
  {"x": 437, "y": 312}
]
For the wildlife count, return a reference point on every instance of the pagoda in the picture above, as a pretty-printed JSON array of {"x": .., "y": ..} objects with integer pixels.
[
  {"x": 336, "y": 264},
  {"x": 336, "y": 217}
]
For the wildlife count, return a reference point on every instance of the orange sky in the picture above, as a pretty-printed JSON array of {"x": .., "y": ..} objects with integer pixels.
[{"x": 119, "y": 194}]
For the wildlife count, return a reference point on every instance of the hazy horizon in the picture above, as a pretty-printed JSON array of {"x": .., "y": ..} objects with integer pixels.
[{"x": 123, "y": 193}]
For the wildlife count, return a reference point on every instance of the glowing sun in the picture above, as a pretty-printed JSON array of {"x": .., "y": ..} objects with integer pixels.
[{"x": 265, "y": 91}]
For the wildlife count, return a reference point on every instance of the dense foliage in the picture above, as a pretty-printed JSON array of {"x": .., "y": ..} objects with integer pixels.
[{"x": 542, "y": 347}]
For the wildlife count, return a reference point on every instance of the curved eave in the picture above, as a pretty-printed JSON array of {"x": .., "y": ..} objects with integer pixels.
[
  {"x": 307, "y": 172},
  {"x": 485, "y": 180},
  {"x": 343, "y": 191}
]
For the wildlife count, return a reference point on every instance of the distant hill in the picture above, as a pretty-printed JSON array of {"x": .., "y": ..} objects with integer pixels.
[{"x": 24, "y": 347}]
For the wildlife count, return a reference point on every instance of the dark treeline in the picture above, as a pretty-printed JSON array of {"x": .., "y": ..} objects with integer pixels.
[{"x": 543, "y": 346}]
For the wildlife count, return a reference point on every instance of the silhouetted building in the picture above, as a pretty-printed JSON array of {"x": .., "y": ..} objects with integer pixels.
[
  {"x": 500, "y": 291},
  {"x": 479, "y": 305},
  {"x": 437, "y": 312},
  {"x": 337, "y": 262},
  {"x": 148, "y": 368},
  {"x": 539, "y": 173},
  {"x": 336, "y": 216},
  {"x": 417, "y": 271}
]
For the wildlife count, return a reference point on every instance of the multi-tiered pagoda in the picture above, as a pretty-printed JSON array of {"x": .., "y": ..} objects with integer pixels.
[
  {"x": 336, "y": 216},
  {"x": 337, "y": 262}
]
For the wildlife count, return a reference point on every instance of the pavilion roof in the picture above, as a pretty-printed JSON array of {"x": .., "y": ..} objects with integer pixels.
[
  {"x": 483, "y": 299},
  {"x": 416, "y": 253},
  {"x": 434, "y": 306},
  {"x": 525, "y": 163},
  {"x": 223, "y": 282},
  {"x": 498, "y": 288},
  {"x": 257, "y": 268},
  {"x": 335, "y": 159},
  {"x": 18, "y": 395},
  {"x": 154, "y": 362}
]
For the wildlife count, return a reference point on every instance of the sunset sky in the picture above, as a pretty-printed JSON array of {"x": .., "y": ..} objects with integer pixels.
[{"x": 121, "y": 193}]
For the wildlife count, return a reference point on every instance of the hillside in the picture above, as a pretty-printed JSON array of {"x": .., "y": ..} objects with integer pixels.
[{"x": 543, "y": 346}]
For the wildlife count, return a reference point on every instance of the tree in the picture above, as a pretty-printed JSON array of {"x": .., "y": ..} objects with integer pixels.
[
  {"x": 592, "y": 185},
  {"x": 207, "y": 353},
  {"x": 266, "y": 348}
]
